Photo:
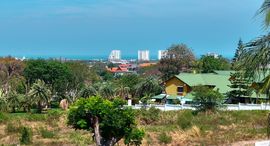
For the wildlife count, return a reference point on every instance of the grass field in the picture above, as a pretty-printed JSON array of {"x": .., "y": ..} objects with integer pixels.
[{"x": 162, "y": 128}]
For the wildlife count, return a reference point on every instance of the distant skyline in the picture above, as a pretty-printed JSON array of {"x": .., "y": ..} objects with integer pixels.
[{"x": 54, "y": 28}]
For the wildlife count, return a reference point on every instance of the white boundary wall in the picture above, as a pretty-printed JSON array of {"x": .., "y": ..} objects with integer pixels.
[{"x": 169, "y": 107}]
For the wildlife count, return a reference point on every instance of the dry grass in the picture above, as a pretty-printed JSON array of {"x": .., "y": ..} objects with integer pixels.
[{"x": 224, "y": 128}]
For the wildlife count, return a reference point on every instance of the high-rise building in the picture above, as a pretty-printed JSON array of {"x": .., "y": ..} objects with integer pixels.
[
  {"x": 115, "y": 55},
  {"x": 162, "y": 54},
  {"x": 143, "y": 55}
]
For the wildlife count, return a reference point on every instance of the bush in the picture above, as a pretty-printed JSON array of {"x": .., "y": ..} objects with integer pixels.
[
  {"x": 184, "y": 120},
  {"x": 3, "y": 117},
  {"x": 46, "y": 133},
  {"x": 135, "y": 137},
  {"x": 164, "y": 138},
  {"x": 26, "y": 136},
  {"x": 207, "y": 99},
  {"x": 13, "y": 128},
  {"x": 54, "y": 104},
  {"x": 149, "y": 116}
]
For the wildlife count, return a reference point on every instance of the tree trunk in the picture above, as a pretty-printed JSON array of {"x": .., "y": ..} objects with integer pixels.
[
  {"x": 100, "y": 141},
  {"x": 110, "y": 142},
  {"x": 39, "y": 107},
  {"x": 98, "y": 137}
]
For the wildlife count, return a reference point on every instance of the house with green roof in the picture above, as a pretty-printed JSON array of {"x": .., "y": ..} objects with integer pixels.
[{"x": 180, "y": 86}]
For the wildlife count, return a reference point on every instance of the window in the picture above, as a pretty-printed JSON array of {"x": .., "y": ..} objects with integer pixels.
[{"x": 180, "y": 89}]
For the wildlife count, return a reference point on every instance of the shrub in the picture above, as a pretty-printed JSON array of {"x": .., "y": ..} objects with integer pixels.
[
  {"x": 3, "y": 117},
  {"x": 149, "y": 116},
  {"x": 13, "y": 128},
  {"x": 46, "y": 133},
  {"x": 26, "y": 136},
  {"x": 54, "y": 104},
  {"x": 135, "y": 137},
  {"x": 164, "y": 138},
  {"x": 184, "y": 120},
  {"x": 207, "y": 99}
]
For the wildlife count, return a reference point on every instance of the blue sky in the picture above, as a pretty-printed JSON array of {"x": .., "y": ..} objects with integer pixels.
[{"x": 94, "y": 27}]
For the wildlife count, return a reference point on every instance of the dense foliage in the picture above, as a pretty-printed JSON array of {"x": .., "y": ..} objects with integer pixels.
[
  {"x": 240, "y": 88},
  {"x": 255, "y": 57},
  {"x": 108, "y": 120},
  {"x": 207, "y": 99},
  {"x": 208, "y": 64},
  {"x": 179, "y": 58}
]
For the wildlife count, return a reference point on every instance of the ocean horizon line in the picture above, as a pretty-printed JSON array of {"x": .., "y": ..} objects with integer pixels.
[{"x": 86, "y": 57}]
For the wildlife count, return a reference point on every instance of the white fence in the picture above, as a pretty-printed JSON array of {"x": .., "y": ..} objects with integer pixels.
[{"x": 169, "y": 107}]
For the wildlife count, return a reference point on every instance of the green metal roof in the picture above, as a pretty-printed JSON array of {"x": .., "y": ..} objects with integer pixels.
[
  {"x": 160, "y": 96},
  {"x": 220, "y": 81},
  {"x": 172, "y": 97},
  {"x": 224, "y": 72}
]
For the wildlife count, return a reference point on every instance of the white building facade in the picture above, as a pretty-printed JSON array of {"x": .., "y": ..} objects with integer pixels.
[
  {"x": 162, "y": 54},
  {"x": 143, "y": 55},
  {"x": 115, "y": 55}
]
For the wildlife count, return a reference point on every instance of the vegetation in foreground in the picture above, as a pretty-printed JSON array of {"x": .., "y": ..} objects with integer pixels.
[{"x": 173, "y": 127}]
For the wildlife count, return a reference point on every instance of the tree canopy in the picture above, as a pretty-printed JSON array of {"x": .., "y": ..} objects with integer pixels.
[
  {"x": 179, "y": 58},
  {"x": 54, "y": 73},
  {"x": 208, "y": 64},
  {"x": 109, "y": 121}
]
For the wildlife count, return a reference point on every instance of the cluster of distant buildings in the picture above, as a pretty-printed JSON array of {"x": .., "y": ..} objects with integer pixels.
[{"x": 143, "y": 55}]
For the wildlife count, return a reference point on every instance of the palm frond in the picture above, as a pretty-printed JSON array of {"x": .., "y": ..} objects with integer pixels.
[
  {"x": 256, "y": 56},
  {"x": 265, "y": 11}
]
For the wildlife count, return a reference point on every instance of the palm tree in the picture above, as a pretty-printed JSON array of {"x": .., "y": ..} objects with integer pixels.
[
  {"x": 14, "y": 101},
  {"x": 40, "y": 94},
  {"x": 87, "y": 92},
  {"x": 265, "y": 11},
  {"x": 106, "y": 91},
  {"x": 147, "y": 88},
  {"x": 255, "y": 58},
  {"x": 122, "y": 92}
]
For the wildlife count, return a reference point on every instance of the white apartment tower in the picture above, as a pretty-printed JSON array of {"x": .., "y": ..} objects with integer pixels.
[
  {"x": 143, "y": 55},
  {"x": 162, "y": 54},
  {"x": 115, "y": 55}
]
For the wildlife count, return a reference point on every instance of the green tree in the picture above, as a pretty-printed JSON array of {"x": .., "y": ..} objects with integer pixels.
[
  {"x": 55, "y": 74},
  {"x": 88, "y": 92},
  {"x": 109, "y": 121},
  {"x": 82, "y": 74},
  {"x": 179, "y": 58},
  {"x": 238, "y": 52},
  {"x": 147, "y": 88},
  {"x": 265, "y": 11},
  {"x": 255, "y": 58},
  {"x": 211, "y": 63},
  {"x": 106, "y": 90},
  {"x": 240, "y": 86},
  {"x": 122, "y": 92},
  {"x": 128, "y": 82},
  {"x": 14, "y": 101},
  {"x": 40, "y": 94},
  {"x": 207, "y": 99}
]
